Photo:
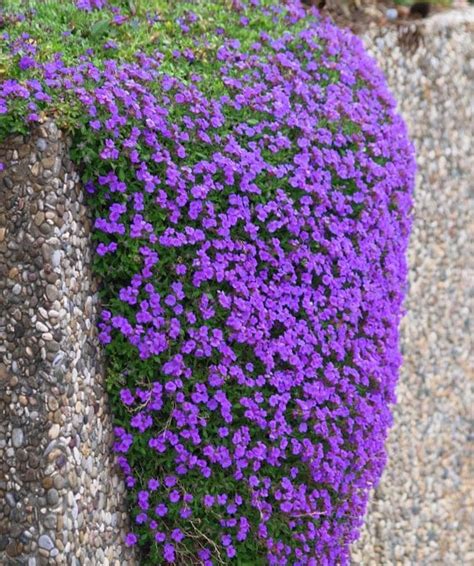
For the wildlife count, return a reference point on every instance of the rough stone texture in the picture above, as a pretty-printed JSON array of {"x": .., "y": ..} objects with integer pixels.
[
  {"x": 422, "y": 512},
  {"x": 61, "y": 499}
]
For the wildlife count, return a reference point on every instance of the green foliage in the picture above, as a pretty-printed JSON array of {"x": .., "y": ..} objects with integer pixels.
[{"x": 58, "y": 27}]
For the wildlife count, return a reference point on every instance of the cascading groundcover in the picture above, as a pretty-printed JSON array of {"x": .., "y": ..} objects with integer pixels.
[{"x": 251, "y": 186}]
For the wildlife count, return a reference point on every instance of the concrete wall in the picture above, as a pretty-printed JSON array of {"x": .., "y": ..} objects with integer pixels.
[{"x": 61, "y": 499}]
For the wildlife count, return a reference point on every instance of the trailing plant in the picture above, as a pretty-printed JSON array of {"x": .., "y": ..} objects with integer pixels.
[{"x": 250, "y": 182}]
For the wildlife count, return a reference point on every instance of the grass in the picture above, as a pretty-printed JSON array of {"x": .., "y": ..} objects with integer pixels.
[{"x": 59, "y": 28}]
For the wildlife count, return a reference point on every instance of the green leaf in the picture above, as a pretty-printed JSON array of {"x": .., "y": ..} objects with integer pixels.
[
  {"x": 99, "y": 28},
  {"x": 132, "y": 7}
]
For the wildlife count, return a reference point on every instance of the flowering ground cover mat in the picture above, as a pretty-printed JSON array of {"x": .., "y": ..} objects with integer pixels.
[{"x": 250, "y": 183}]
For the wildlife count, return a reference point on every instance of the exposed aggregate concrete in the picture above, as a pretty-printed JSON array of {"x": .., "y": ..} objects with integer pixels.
[{"x": 61, "y": 498}]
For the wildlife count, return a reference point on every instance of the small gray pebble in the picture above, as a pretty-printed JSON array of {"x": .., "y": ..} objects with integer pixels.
[
  {"x": 45, "y": 542},
  {"x": 17, "y": 437}
]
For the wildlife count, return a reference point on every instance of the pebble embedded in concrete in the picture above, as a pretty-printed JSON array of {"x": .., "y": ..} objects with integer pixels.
[{"x": 48, "y": 381}]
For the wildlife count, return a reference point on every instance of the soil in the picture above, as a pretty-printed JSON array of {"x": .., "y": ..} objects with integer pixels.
[{"x": 359, "y": 14}]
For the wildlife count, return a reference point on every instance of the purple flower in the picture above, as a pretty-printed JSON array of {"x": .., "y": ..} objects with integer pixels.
[
  {"x": 177, "y": 535},
  {"x": 131, "y": 539},
  {"x": 174, "y": 496},
  {"x": 89, "y": 5},
  {"x": 169, "y": 553},
  {"x": 127, "y": 397},
  {"x": 208, "y": 500},
  {"x": 26, "y": 62},
  {"x": 161, "y": 510},
  {"x": 170, "y": 481}
]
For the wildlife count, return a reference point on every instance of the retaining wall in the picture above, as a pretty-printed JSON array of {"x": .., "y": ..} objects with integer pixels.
[{"x": 61, "y": 499}]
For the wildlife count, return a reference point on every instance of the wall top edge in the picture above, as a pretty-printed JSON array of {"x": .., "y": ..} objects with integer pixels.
[{"x": 463, "y": 17}]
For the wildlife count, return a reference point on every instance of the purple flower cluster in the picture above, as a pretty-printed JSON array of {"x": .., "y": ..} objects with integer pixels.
[
  {"x": 89, "y": 5},
  {"x": 267, "y": 224}
]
